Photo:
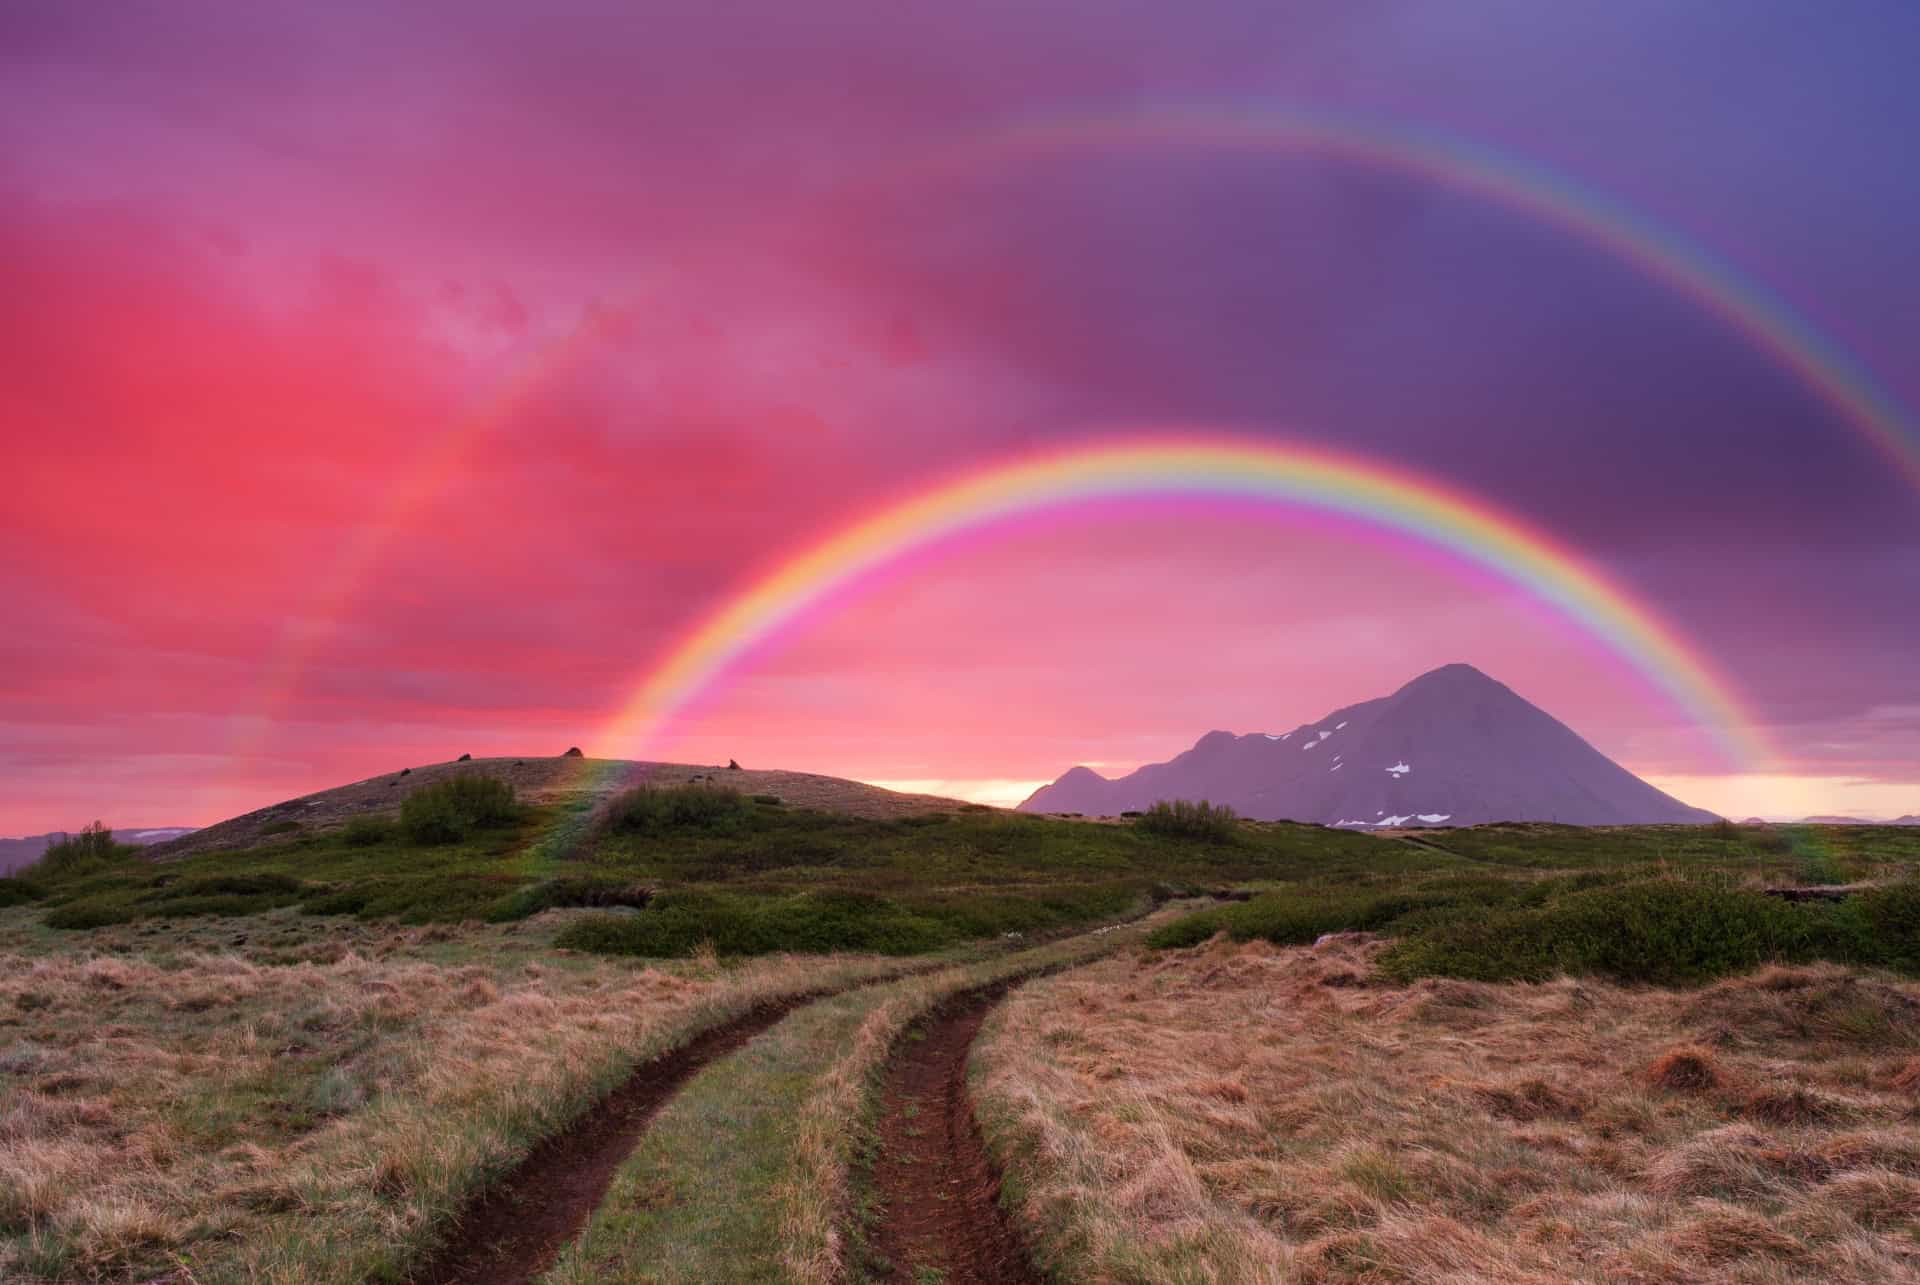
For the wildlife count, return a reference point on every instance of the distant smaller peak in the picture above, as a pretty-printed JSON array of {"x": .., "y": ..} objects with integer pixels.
[
  {"x": 1215, "y": 737},
  {"x": 1080, "y": 774}
]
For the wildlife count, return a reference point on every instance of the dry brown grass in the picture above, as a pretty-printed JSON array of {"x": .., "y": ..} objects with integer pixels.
[
  {"x": 1248, "y": 1113},
  {"x": 816, "y": 1196},
  {"x": 282, "y": 1112}
]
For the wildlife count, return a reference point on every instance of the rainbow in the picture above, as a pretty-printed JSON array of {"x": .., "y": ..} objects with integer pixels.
[
  {"x": 1744, "y": 305},
  {"x": 1169, "y": 465}
]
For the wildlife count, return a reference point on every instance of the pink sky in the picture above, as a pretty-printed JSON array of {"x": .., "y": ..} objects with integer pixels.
[{"x": 306, "y": 480}]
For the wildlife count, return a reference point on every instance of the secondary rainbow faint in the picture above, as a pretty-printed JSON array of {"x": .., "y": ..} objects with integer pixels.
[
  {"x": 1176, "y": 463},
  {"x": 1749, "y": 308},
  {"x": 1746, "y": 306}
]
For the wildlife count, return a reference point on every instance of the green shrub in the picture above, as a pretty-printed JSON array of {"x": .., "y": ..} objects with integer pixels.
[
  {"x": 1189, "y": 930},
  {"x": 1664, "y": 931},
  {"x": 770, "y": 800},
  {"x": 449, "y": 810},
  {"x": 339, "y": 901},
  {"x": 93, "y": 846},
  {"x": 651, "y": 809},
  {"x": 571, "y": 890},
  {"x": 287, "y": 826},
  {"x": 1818, "y": 868},
  {"x": 366, "y": 831},
  {"x": 98, "y": 913},
  {"x": 1185, "y": 819},
  {"x": 18, "y": 892},
  {"x": 677, "y": 924},
  {"x": 1890, "y": 921},
  {"x": 211, "y": 904},
  {"x": 1297, "y": 915},
  {"x": 237, "y": 885}
]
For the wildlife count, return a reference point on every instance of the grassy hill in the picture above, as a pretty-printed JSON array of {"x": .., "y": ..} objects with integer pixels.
[
  {"x": 676, "y": 858},
  {"x": 296, "y": 1046}
]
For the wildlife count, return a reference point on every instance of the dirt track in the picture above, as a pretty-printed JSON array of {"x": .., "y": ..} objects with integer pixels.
[
  {"x": 938, "y": 1190},
  {"x": 519, "y": 1226}
]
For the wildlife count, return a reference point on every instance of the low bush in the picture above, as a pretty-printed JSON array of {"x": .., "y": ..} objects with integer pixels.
[
  {"x": 93, "y": 846},
  {"x": 19, "y": 892},
  {"x": 1665, "y": 931},
  {"x": 1295, "y": 916},
  {"x": 678, "y": 924},
  {"x": 238, "y": 885},
  {"x": 1185, "y": 819},
  {"x": 572, "y": 890},
  {"x": 1661, "y": 930},
  {"x": 818, "y": 922},
  {"x": 338, "y": 901},
  {"x": 287, "y": 826},
  {"x": 651, "y": 809},
  {"x": 366, "y": 831},
  {"x": 1889, "y": 924},
  {"x": 96, "y": 913},
  {"x": 448, "y": 811}
]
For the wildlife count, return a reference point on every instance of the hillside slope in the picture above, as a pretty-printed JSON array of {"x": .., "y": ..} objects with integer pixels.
[{"x": 550, "y": 780}]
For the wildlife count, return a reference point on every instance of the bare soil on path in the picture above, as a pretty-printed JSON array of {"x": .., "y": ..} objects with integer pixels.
[
  {"x": 937, "y": 1188},
  {"x": 517, "y": 1228}
]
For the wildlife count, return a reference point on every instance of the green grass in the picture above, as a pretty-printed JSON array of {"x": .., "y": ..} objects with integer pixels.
[
  {"x": 698, "y": 1199},
  {"x": 1632, "y": 926},
  {"x": 679, "y": 869},
  {"x": 740, "y": 1175},
  {"x": 747, "y": 877}
]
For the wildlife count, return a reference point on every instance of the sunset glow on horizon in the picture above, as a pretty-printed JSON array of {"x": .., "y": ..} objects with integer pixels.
[{"x": 945, "y": 398}]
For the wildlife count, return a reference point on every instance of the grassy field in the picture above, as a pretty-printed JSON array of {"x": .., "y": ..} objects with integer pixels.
[
  {"x": 296, "y": 1059},
  {"x": 752, "y": 1172},
  {"x": 745, "y": 875},
  {"x": 283, "y": 1098},
  {"x": 1254, "y": 1113},
  {"x": 1654, "y": 904}
]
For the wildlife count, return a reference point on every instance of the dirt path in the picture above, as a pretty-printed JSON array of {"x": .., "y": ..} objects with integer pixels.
[
  {"x": 519, "y": 1226},
  {"x": 938, "y": 1190}
]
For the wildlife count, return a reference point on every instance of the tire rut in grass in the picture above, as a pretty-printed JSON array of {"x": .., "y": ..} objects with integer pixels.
[
  {"x": 517, "y": 1228},
  {"x": 937, "y": 1188}
]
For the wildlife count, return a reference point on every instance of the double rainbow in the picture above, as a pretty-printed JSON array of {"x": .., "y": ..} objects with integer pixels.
[
  {"x": 1589, "y": 216},
  {"x": 1168, "y": 465}
]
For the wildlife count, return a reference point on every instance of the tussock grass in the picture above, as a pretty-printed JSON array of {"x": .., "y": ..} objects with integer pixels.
[
  {"x": 285, "y": 1099},
  {"x": 1249, "y": 1112}
]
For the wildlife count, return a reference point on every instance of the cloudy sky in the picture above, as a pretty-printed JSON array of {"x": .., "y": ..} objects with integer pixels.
[{"x": 387, "y": 382}]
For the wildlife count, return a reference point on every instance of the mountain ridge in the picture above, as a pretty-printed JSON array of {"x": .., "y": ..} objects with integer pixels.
[{"x": 1451, "y": 746}]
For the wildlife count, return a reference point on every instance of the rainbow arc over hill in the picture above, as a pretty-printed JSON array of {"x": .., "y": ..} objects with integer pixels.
[
  {"x": 1423, "y": 512},
  {"x": 1749, "y": 308}
]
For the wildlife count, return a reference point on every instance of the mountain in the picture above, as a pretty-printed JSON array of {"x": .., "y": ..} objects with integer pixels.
[
  {"x": 1451, "y": 747},
  {"x": 18, "y": 853},
  {"x": 1830, "y": 820}
]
